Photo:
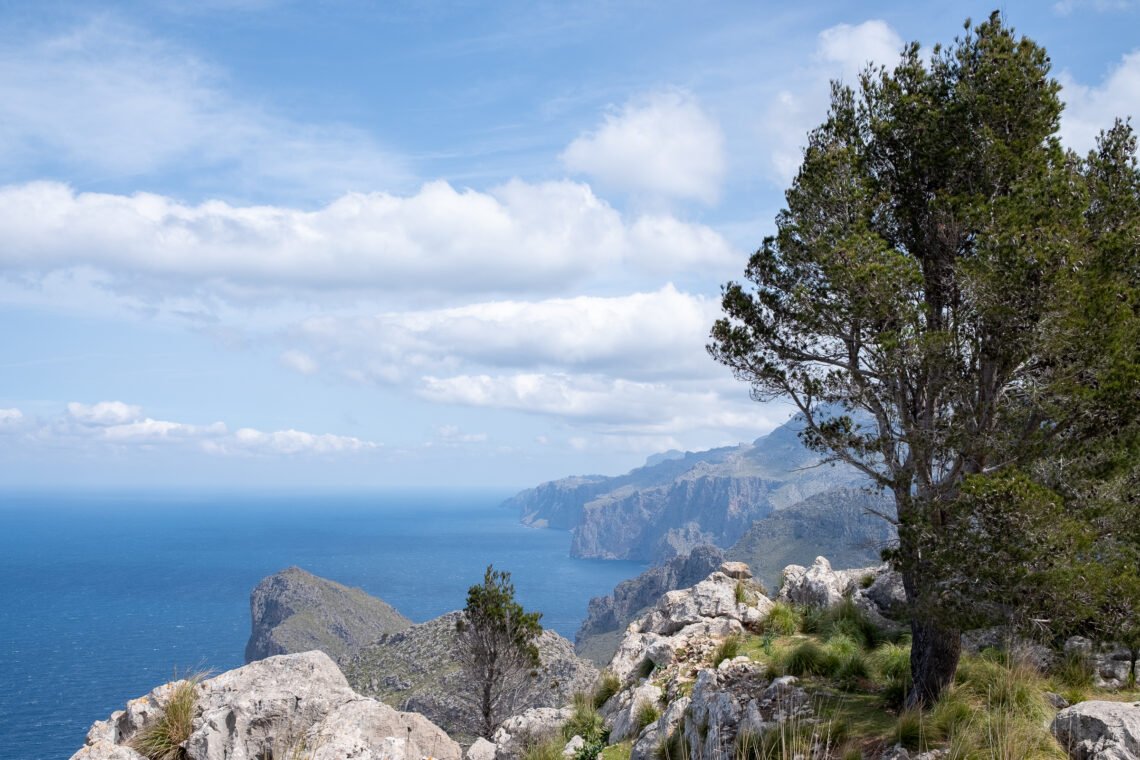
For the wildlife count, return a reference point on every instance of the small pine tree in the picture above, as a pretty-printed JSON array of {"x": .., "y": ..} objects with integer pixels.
[{"x": 496, "y": 647}]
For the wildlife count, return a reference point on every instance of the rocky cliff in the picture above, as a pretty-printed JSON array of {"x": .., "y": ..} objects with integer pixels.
[
  {"x": 296, "y": 611},
  {"x": 608, "y": 616},
  {"x": 676, "y": 503},
  {"x": 838, "y": 524},
  {"x": 287, "y": 706}
]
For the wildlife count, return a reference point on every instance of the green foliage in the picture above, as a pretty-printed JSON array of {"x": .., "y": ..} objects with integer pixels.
[
  {"x": 847, "y": 619},
  {"x": 783, "y": 620},
  {"x": 496, "y": 649},
  {"x": 608, "y": 685},
  {"x": 585, "y": 721},
  {"x": 952, "y": 302},
  {"x": 727, "y": 649},
  {"x": 590, "y": 750},
  {"x": 740, "y": 593},
  {"x": 646, "y": 713},
  {"x": 162, "y": 739},
  {"x": 809, "y": 659},
  {"x": 909, "y": 730}
]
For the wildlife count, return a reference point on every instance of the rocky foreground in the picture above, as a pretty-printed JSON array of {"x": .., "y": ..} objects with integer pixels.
[{"x": 672, "y": 691}]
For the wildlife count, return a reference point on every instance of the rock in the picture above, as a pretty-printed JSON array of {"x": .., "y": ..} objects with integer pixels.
[
  {"x": 481, "y": 749},
  {"x": 737, "y": 570},
  {"x": 998, "y": 637},
  {"x": 1056, "y": 700},
  {"x": 820, "y": 585},
  {"x": 1078, "y": 645},
  {"x": 1099, "y": 730},
  {"x": 626, "y": 716},
  {"x": 573, "y": 746},
  {"x": 277, "y": 706},
  {"x": 887, "y": 593},
  {"x": 295, "y": 611},
  {"x": 533, "y": 726},
  {"x": 646, "y": 746}
]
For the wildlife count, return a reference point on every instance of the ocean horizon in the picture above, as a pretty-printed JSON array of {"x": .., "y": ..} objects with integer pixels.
[{"x": 110, "y": 593}]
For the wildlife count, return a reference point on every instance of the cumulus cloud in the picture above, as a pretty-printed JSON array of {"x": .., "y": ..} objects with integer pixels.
[
  {"x": 116, "y": 424},
  {"x": 1088, "y": 110},
  {"x": 451, "y": 435},
  {"x": 842, "y": 51},
  {"x": 106, "y": 100},
  {"x": 104, "y": 413},
  {"x": 607, "y": 404},
  {"x": 516, "y": 237},
  {"x": 662, "y": 144},
  {"x": 657, "y": 335}
]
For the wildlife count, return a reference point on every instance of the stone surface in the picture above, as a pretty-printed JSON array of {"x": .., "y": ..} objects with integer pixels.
[
  {"x": 650, "y": 739},
  {"x": 626, "y": 714},
  {"x": 1099, "y": 730},
  {"x": 279, "y": 705},
  {"x": 533, "y": 726},
  {"x": 573, "y": 746},
  {"x": 296, "y": 611},
  {"x": 480, "y": 749}
]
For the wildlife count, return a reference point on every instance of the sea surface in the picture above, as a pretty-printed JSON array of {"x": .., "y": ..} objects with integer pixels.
[{"x": 104, "y": 596}]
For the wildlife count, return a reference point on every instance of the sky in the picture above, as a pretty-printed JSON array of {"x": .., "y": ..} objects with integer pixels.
[{"x": 251, "y": 243}]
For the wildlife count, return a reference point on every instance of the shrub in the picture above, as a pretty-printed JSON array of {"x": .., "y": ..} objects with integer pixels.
[
  {"x": 585, "y": 721},
  {"x": 727, "y": 649},
  {"x": 848, "y": 619},
  {"x": 162, "y": 739},
  {"x": 809, "y": 659},
  {"x": 674, "y": 746},
  {"x": 867, "y": 581},
  {"x": 609, "y": 685},
  {"x": 783, "y": 620},
  {"x": 646, "y": 714},
  {"x": 853, "y": 671}
]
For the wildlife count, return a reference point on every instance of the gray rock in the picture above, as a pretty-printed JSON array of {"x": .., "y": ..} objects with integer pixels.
[
  {"x": 480, "y": 749},
  {"x": 279, "y": 705},
  {"x": 737, "y": 570},
  {"x": 533, "y": 726},
  {"x": 820, "y": 585},
  {"x": 645, "y": 748},
  {"x": 1099, "y": 730},
  {"x": 573, "y": 746},
  {"x": 625, "y": 718},
  {"x": 296, "y": 611}
]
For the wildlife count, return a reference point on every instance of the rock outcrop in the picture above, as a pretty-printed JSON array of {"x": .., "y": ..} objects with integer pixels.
[
  {"x": 877, "y": 591},
  {"x": 296, "y": 611},
  {"x": 277, "y": 707},
  {"x": 674, "y": 504},
  {"x": 1099, "y": 730},
  {"x": 416, "y": 670},
  {"x": 608, "y": 616}
]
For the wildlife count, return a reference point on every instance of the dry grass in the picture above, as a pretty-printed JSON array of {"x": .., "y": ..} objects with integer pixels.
[{"x": 162, "y": 740}]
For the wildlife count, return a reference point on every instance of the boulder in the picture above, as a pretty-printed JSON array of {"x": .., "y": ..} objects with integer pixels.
[
  {"x": 279, "y": 705},
  {"x": 1099, "y": 730},
  {"x": 573, "y": 747},
  {"x": 650, "y": 739},
  {"x": 627, "y": 710},
  {"x": 533, "y": 726},
  {"x": 481, "y": 749},
  {"x": 820, "y": 585}
]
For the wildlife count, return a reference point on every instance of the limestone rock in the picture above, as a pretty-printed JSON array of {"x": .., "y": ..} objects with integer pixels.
[
  {"x": 480, "y": 749},
  {"x": 625, "y": 718},
  {"x": 737, "y": 570},
  {"x": 533, "y": 726},
  {"x": 645, "y": 748},
  {"x": 820, "y": 585},
  {"x": 279, "y": 705},
  {"x": 573, "y": 746},
  {"x": 1099, "y": 730}
]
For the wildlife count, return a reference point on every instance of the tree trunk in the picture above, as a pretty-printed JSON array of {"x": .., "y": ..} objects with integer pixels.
[{"x": 934, "y": 652}]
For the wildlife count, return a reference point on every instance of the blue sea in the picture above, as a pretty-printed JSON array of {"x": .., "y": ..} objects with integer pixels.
[{"x": 106, "y": 595}]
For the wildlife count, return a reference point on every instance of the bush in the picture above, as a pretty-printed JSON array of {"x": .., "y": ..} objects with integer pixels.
[
  {"x": 853, "y": 672},
  {"x": 809, "y": 659},
  {"x": 585, "y": 721},
  {"x": 783, "y": 620},
  {"x": 646, "y": 714},
  {"x": 728, "y": 649},
  {"x": 609, "y": 685},
  {"x": 162, "y": 739},
  {"x": 846, "y": 618}
]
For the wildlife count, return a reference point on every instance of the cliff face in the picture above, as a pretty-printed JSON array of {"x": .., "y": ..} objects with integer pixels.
[
  {"x": 835, "y": 523},
  {"x": 296, "y": 611},
  {"x": 608, "y": 616},
  {"x": 678, "y": 502}
]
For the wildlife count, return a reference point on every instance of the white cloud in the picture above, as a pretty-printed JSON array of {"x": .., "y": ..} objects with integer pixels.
[
  {"x": 612, "y": 405},
  {"x": 119, "y": 425},
  {"x": 451, "y": 435},
  {"x": 516, "y": 237},
  {"x": 104, "y": 413},
  {"x": 654, "y": 335},
  {"x": 299, "y": 361},
  {"x": 663, "y": 144},
  {"x": 1088, "y": 110},
  {"x": 842, "y": 51},
  {"x": 106, "y": 100}
]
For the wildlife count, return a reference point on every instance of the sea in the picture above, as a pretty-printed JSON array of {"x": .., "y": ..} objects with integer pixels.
[{"x": 105, "y": 595}]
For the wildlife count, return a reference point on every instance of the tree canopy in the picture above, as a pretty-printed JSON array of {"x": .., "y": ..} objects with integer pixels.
[
  {"x": 950, "y": 301},
  {"x": 496, "y": 647}
]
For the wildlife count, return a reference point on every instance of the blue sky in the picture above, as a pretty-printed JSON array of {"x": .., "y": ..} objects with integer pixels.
[{"x": 251, "y": 242}]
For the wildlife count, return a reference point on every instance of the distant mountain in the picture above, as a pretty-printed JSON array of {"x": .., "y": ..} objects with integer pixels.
[{"x": 678, "y": 501}]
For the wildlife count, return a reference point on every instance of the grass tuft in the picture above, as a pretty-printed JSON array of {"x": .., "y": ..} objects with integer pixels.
[
  {"x": 609, "y": 685},
  {"x": 162, "y": 740},
  {"x": 783, "y": 620},
  {"x": 674, "y": 747},
  {"x": 727, "y": 649},
  {"x": 808, "y": 659},
  {"x": 547, "y": 749},
  {"x": 585, "y": 721},
  {"x": 646, "y": 713}
]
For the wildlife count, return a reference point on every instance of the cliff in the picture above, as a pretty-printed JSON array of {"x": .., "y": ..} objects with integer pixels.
[
  {"x": 679, "y": 501},
  {"x": 296, "y": 611}
]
